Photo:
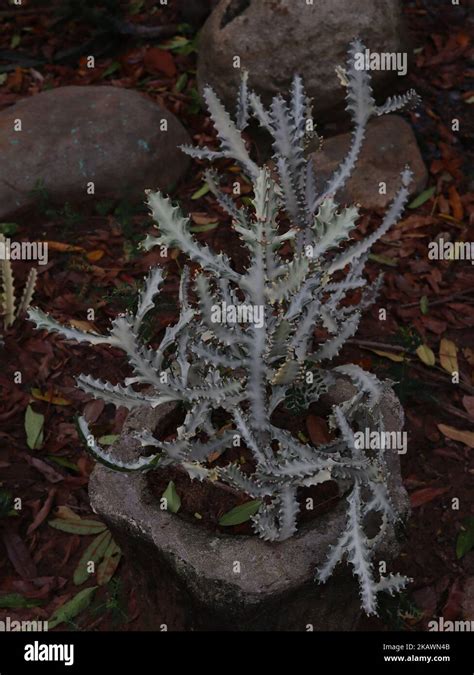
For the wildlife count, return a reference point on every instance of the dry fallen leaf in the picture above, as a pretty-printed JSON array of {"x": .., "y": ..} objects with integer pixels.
[
  {"x": 469, "y": 355},
  {"x": 398, "y": 358},
  {"x": 202, "y": 218},
  {"x": 158, "y": 60},
  {"x": 50, "y": 397},
  {"x": 425, "y": 495},
  {"x": 94, "y": 256},
  {"x": 64, "y": 248},
  {"x": 456, "y": 204},
  {"x": 448, "y": 355},
  {"x": 318, "y": 430},
  {"x": 466, "y": 437},
  {"x": 468, "y": 403},
  {"x": 83, "y": 325}
]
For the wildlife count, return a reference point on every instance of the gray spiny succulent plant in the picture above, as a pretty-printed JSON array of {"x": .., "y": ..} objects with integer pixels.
[{"x": 249, "y": 368}]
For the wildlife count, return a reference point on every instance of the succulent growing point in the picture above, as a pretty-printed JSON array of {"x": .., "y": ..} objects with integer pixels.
[{"x": 244, "y": 340}]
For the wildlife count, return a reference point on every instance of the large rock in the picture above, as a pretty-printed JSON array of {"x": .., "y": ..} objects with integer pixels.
[
  {"x": 275, "y": 39},
  {"x": 182, "y": 568},
  {"x": 71, "y": 136},
  {"x": 195, "y": 11},
  {"x": 389, "y": 145}
]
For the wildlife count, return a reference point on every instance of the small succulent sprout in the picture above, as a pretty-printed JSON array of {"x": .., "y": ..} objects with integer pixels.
[
  {"x": 246, "y": 343},
  {"x": 8, "y": 307}
]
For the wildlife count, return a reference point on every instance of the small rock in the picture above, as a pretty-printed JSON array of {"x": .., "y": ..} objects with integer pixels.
[
  {"x": 275, "y": 39},
  {"x": 389, "y": 145},
  {"x": 72, "y": 136}
]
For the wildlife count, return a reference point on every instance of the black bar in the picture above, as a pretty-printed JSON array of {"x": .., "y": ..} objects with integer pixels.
[{"x": 111, "y": 653}]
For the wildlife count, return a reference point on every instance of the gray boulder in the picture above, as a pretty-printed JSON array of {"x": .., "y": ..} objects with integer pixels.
[
  {"x": 275, "y": 39},
  {"x": 72, "y": 136},
  {"x": 389, "y": 145}
]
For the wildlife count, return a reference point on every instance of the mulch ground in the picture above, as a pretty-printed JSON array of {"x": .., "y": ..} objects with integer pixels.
[{"x": 94, "y": 263}]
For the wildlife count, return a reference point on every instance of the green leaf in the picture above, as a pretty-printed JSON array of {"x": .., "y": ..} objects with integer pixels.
[
  {"x": 78, "y": 526},
  {"x": 424, "y": 305},
  {"x": 383, "y": 260},
  {"x": 34, "y": 423},
  {"x": 17, "y": 601},
  {"x": 426, "y": 355},
  {"x": 422, "y": 198},
  {"x": 240, "y": 514},
  {"x": 62, "y": 461},
  {"x": 8, "y": 228},
  {"x": 173, "y": 501},
  {"x": 111, "y": 69},
  {"x": 203, "y": 228},
  {"x": 465, "y": 540},
  {"x": 180, "y": 44},
  {"x": 104, "y": 206},
  {"x": 71, "y": 609},
  {"x": 6, "y": 502},
  {"x": 181, "y": 82},
  {"x": 109, "y": 439},
  {"x": 15, "y": 41},
  {"x": 195, "y": 104},
  {"x": 201, "y": 192},
  {"x": 136, "y": 7},
  {"x": 109, "y": 564},
  {"x": 94, "y": 552}
]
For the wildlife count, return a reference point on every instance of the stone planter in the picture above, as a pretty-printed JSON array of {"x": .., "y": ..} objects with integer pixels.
[{"x": 187, "y": 575}]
